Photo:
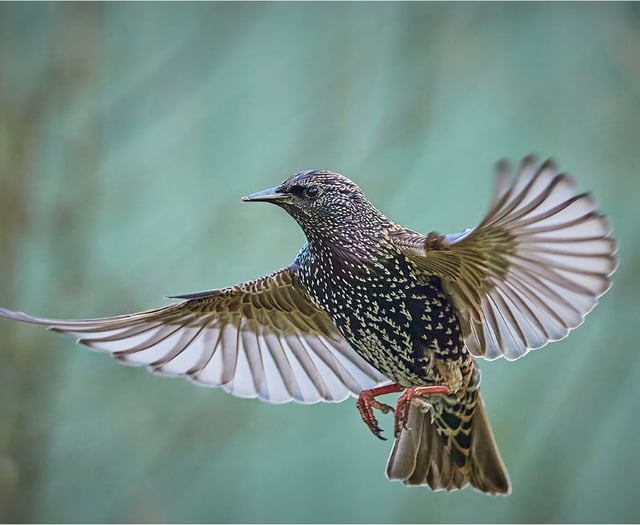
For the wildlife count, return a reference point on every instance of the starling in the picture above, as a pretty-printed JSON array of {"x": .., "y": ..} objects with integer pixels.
[{"x": 369, "y": 307}]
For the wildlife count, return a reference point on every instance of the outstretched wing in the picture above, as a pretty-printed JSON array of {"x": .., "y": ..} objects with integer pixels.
[
  {"x": 263, "y": 338},
  {"x": 532, "y": 269}
]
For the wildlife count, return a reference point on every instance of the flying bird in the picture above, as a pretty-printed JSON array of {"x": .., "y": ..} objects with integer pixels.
[{"x": 369, "y": 307}]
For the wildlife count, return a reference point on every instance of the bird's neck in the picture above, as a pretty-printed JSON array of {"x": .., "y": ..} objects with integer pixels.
[
  {"x": 357, "y": 235},
  {"x": 355, "y": 244}
]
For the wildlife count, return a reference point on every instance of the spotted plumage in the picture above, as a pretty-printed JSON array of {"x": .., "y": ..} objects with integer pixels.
[
  {"x": 399, "y": 323},
  {"x": 369, "y": 307}
]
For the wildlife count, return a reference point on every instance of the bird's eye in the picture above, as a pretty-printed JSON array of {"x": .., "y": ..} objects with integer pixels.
[{"x": 311, "y": 192}]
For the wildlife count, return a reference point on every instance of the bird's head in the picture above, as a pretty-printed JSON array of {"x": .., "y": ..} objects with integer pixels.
[{"x": 322, "y": 202}]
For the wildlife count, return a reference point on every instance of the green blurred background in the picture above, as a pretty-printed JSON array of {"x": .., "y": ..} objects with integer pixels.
[{"x": 128, "y": 132}]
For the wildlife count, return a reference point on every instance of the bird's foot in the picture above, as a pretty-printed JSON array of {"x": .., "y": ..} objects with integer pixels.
[
  {"x": 367, "y": 402},
  {"x": 408, "y": 397}
]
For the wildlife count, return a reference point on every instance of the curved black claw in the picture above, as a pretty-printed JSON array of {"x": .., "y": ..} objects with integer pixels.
[
  {"x": 365, "y": 408},
  {"x": 378, "y": 433}
]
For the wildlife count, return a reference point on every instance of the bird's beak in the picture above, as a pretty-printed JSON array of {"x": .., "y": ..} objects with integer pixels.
[{"x": 270, "y": 195}]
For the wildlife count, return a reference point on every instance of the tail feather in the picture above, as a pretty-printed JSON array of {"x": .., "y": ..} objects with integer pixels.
[
  {"x": 424, "y": 456},
  {"x": 488, "y": 473}
]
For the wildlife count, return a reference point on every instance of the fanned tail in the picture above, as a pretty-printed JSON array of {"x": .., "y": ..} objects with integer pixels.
[{"x": 448, "y": 447}]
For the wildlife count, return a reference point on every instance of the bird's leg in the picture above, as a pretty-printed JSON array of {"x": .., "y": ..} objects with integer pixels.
[
  {"x": 367, "y": 402},
  {"x": 405, "y": 400}
]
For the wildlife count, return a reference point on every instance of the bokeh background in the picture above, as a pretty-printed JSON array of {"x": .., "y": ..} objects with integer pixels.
[{"x": 128, "y": 132}]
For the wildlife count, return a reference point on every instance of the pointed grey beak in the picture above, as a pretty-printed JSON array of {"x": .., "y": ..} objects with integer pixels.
[{"x": 270, "y": 195}]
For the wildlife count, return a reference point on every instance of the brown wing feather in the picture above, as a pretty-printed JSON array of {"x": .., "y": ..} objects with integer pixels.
[
  {"x": 263, "y": 338},
  {"x": 532, "y": 269}
]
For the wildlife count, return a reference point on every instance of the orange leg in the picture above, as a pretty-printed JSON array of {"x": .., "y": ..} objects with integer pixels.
[
  {"x": 405, "y": 400},
  {"x": 367, "y": 402}
]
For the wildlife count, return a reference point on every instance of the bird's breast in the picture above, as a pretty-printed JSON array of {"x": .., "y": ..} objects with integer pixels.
[{"x": 399, "y": 322}]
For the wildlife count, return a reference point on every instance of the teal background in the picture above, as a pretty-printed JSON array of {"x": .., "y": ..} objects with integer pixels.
[{"x": 128, "y": 133}]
